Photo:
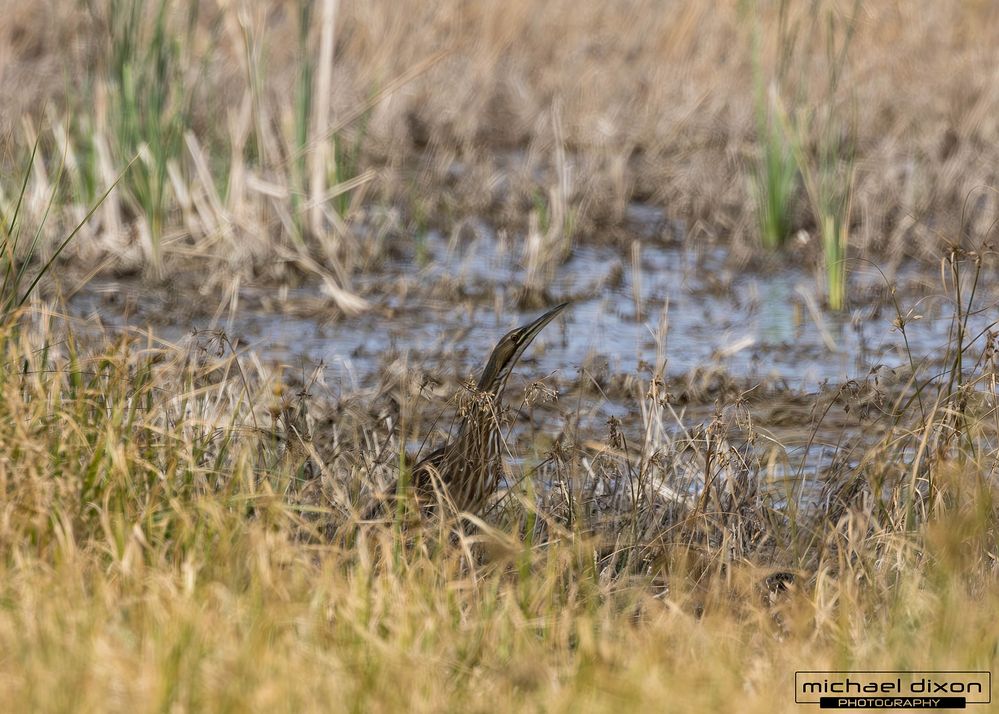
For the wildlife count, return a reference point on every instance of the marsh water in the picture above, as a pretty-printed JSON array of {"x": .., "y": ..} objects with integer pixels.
[{"x": 674, "y": 301}]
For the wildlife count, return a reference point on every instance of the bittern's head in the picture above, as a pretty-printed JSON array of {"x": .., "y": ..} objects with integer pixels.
[{"x": 509, "y": 349}]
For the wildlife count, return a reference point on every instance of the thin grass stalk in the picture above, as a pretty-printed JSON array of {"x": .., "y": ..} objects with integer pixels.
[
  {"x": 302, "y": 111},
  {"x": 15, "y": 268},
  {"x": 320, "y": 154}
]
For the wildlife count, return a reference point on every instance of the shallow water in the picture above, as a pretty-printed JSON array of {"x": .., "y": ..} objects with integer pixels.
[{"x": 756, "y": 326}]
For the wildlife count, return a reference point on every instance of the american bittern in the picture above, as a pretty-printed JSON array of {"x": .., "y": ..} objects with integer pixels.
[{"x": 466, "y": 470}]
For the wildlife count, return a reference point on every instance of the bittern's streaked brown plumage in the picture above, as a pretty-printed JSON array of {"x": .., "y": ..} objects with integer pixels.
[{"x": 466, "y": 471}]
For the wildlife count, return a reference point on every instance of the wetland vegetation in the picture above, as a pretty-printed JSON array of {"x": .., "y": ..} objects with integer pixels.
[{"x": 255, "y": 255}]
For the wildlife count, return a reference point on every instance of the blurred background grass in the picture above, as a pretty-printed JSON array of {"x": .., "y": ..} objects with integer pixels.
[{"x": 256, "y": 130}]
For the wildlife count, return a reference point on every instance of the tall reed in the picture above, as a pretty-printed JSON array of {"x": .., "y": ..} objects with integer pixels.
[
  {"x": 775, "y": 175},
  {"x": 149, "y": 100}
]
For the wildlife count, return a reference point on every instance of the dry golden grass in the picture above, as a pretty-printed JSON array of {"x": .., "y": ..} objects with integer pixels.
[{"x": 159, "y": 551}]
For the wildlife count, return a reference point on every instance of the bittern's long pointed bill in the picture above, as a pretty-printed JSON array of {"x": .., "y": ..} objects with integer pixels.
[{"x": 510, "y": 348}]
